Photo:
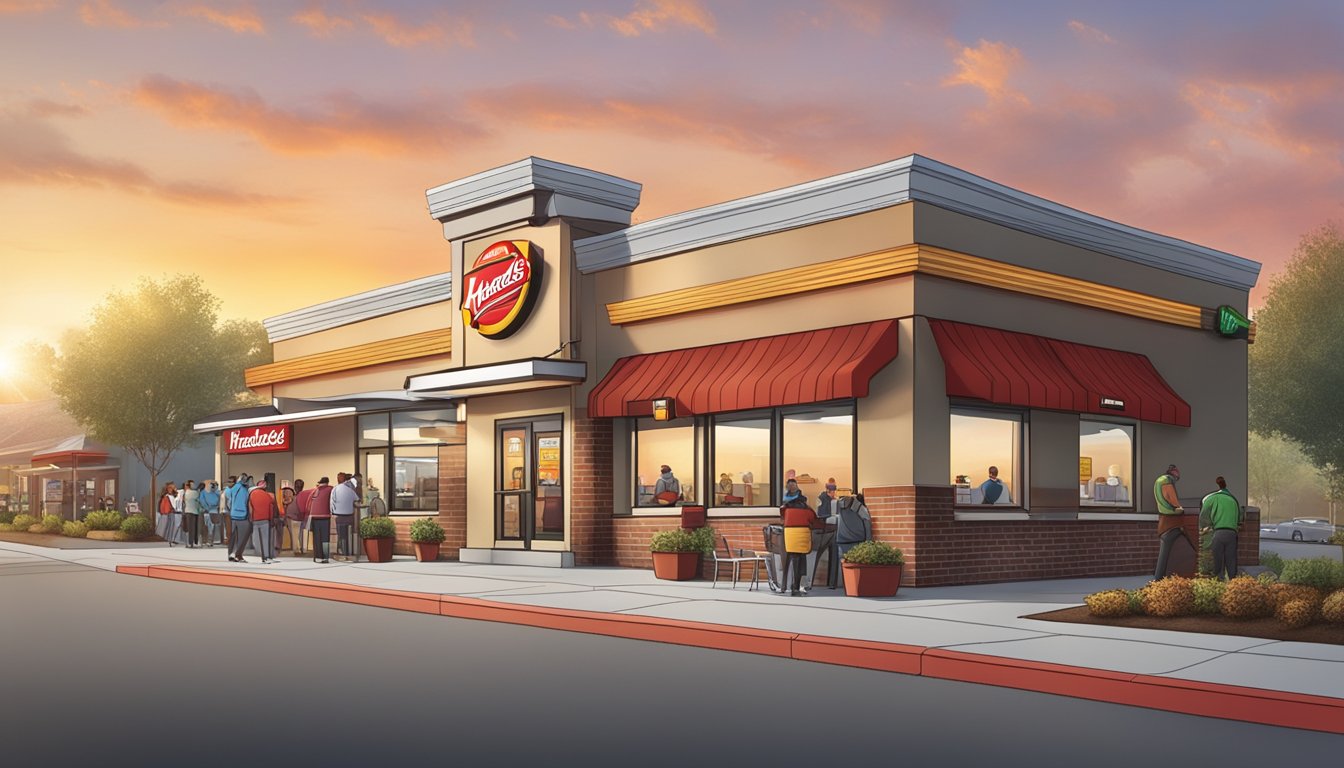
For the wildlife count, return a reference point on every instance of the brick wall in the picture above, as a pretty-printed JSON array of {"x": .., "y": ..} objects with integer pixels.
[
  {"x": 590, "y": 489},
  {"x": 632, "y": 536},
  {"x": 452, "y": 513},
  {"x": 941, "y": 551}
]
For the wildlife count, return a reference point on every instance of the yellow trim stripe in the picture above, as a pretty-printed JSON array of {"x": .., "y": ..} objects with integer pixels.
[
  {"x": 910, "y": 259},
  {"x": 437, "y": 342}
]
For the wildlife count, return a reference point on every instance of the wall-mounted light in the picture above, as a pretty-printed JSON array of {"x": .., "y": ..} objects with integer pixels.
[{"x": 664, "y": 409}]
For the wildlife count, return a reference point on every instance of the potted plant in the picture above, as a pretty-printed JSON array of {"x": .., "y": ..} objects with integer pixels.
[
  {"x": 377, "y": 534},
  {"x": 426, "y": 536},
  {"x": 676, "y": 553},
  {"x": 872, "y": 569}
]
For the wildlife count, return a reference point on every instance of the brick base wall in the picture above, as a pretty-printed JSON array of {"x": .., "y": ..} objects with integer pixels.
[{"x": 590, "y": 489}]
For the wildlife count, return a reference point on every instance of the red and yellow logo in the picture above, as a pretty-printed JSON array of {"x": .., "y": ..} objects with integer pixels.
[{"x": 501, "y": 288}]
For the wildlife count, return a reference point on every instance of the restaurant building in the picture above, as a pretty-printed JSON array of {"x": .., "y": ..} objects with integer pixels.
[{"x": 900, "y": 328}]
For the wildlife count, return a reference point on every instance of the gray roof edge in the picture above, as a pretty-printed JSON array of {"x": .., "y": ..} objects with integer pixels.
[
  {"x": 360, "y": 306},
  {"x": 528, "y": 175},
  {"x": 917, "y": 178}
]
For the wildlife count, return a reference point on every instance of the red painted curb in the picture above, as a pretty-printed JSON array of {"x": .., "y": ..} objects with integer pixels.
[{"x": 1230, "y": 702}]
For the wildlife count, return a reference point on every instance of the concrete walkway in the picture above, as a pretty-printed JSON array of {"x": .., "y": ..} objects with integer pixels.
[{"x": 969, "y": 633}]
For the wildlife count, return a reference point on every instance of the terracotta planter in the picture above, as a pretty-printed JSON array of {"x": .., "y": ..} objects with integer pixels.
[
  {"x": 692, "y": 517},
  {"x": 378, "y": 550},
  {"x": 872, "y": 580},
  {"x": 676, "y": 566},
  {"x": 426, "y": 551}
]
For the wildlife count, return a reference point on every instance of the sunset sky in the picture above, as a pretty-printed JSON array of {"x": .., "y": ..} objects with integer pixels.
[{"x": 282, "y": 149}]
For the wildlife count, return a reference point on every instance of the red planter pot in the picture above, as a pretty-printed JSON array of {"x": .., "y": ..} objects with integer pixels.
[
  {"x": 676, "y": 566},
  {"x": 872, "y": 580},
  {"x": 426, "y": 551},
  {"x": 378, "y": 550}
]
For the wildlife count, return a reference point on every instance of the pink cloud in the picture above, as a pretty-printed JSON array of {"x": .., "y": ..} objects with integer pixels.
[
  {"x": 1089, "y": 33},
  {"x": 988, "y": 66},
  {"x": 342, "y": 121},
  {"x": 24, "y": 7},
  {"x": 319, "y": 23},
  {"x": 437, "y": 31},
  {"x": 242, "y": 19},
  {"x": 43, "y": 108},
  {"x": 647, "y": 16},
  {"x": 103, "y": 13}
]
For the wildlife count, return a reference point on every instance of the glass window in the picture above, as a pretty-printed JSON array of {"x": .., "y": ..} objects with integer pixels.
[
  {"x": 986, "y": 457},
  {"x": 424, "y": 427},
  {"x": 415, "y": 471},
  {"x": 373, "y": 431},
  {"x": 664, "y": 442},
  {"x": 742, "y": 454},
  {"x": 819, "y": 445},
  {"x": 1105, "y": 464}
]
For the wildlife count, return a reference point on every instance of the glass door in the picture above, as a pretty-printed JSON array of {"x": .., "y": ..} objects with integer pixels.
[
  {"x": 548, "y": 519},
  {"x": 529, "y": 482}
]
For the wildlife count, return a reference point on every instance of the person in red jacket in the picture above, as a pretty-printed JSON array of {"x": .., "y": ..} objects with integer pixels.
[
  {"x": 319, "y": 520},
  {"x": 799, "y": 520},
  {"x": 261, "y": 508}
]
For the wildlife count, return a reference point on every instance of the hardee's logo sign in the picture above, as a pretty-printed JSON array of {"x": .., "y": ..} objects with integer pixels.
[
  {"x": 501, "y": 288},
  {"x": 258, "y": 439}
]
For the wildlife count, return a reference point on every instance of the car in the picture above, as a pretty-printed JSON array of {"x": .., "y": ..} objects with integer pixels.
[{"x": 1305, "y": 529}]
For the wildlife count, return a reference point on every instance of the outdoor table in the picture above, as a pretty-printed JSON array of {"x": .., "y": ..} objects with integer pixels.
[{"x": 774, "y": 561}]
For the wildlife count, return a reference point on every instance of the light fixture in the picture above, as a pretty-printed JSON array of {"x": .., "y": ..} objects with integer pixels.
[{"x": 664, "y": 409}]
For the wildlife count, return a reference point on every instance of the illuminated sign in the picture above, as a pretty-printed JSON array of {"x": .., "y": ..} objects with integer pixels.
[
  {"x": 501, "y": 287},
  {"x": 1232, "y": 323},
  {"x": 258, "y": 439},
  {"x": 664, "y": 409},
  {"x": 1114, "y": 403}
]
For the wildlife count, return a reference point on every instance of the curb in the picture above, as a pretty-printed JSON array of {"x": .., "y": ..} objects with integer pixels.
[{"x": 1192, "y": 697}]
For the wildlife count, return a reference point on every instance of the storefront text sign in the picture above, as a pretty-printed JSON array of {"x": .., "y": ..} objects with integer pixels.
[
  {"x": 258, "y": 439},
  {"x": 501, "y": 287},
  {"x": 1113, "y": 402}
]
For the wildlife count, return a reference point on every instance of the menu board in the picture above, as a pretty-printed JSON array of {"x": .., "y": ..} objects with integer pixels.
[
  {"x": 1084, "y": 468},
  {"x": 548, "y": 460}
]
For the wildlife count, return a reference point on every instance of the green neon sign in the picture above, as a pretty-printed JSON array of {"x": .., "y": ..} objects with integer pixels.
[{"x": 1232, "y": 323}]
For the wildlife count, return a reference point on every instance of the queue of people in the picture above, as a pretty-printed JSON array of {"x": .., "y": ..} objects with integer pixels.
[
  {"x": 1219, "y": 515},
  {"x": 846, "y": 516}
]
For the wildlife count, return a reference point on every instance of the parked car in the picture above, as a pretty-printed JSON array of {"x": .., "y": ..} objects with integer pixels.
[{"x": 1305, "y": 529}]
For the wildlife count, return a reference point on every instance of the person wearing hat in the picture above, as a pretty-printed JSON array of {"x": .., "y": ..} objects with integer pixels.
[
  {"x": 667, "y": 490},
  {"x": 1169, "y": 512}
]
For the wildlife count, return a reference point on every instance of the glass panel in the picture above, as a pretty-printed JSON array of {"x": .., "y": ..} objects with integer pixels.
[
  {"x": 658, "y": 443},
  {"x": 511, "y": 517},
  {"x": 742, "y": 452},
  {"x": 374, "y": 466},
  {"x": 373, "y": 430},
  {"x": 513, "y": 459},
  {"x": 1105, "y": 464},
  {"x": 985, "y": 446},
  {"x": 415, "y": 475},
  {"x": 549, "y": 512},
  {"x": 424, "y": 427},
  {"x": 819, "y": 446}
]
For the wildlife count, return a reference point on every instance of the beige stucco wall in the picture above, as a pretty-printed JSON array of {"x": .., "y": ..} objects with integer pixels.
[
  {"x": 416, "y": 320},
  {"x": 374, "y": 378},
  {"x": 324, "y": 447}
]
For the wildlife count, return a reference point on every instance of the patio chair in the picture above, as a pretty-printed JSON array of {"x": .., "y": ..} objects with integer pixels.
[{"x": 736, "y": 560}]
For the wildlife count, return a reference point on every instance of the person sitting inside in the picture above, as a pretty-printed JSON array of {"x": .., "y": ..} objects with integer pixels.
[
  {"x": 667, "y": 490},
  {"x": 993, "y": 489}
]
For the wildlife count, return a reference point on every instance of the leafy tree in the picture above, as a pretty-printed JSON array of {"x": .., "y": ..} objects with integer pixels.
[
  {"x": 153, "y": 362},
  {"x": 1297, "y": 360},
  {"x": 1278, "y": 471}
]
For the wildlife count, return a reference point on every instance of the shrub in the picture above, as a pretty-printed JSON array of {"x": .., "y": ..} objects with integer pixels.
[
  {"x": 1267, "y": 578},
  {"x": 5, "y": 527},
  {"x": 1135, "y": 600},
  {"x": 704, "y": 539},
  {"x": 1273, "y": 561},
  {"x": 1285, "y": 593},
  {"x": 1296, "y": 614},
  {"x": 52, "y": 523},
  {"x": 1108, "y": 604},
  {"x": 427, "y": 531},
  {"x": 377, "y": 528},
  {"x": 675, "y": 540},
  {"x": 1323, "y": 573},
  {"x": 137, "y": 527},
  {"x": 1337, "y": 538},
  {"x": 75, "y": 530},
  {"x": 1172, "y": 596},
  {"x": 874, "y": 553},
  {"x": 1207, "y": 592},
  {"x": 24, "y": 522},
  {"x": 7, "y": 517},
  {"x": 103, "y": 520},
  {"x": 1332, "y": 609},
  {"x": 1245, "y": 598}
]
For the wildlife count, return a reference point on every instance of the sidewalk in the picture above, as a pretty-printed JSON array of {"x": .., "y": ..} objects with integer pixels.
[{"x": 962, "y": 633}]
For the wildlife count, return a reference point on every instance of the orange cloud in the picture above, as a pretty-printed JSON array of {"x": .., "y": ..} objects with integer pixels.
[
  {"x": 988, "y": 67},
  {"x": 102, "y": 13},
  {"x": 319, "y": 23},
  {"x": 33, "y": 152},
  {"x": 1089, "y": 33},
  {"x": 20, "y": 7},
  {"x": 48, "y": 108},
  {"x": 647, "y": 16},
  {"x": 442, "y": 29},
  {"x": 242, "y": 20},
  {"x": 344, "y": 121}
]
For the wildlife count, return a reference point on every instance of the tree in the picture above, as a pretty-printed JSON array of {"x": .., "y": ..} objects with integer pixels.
[
  {"x": 1297, "y": 360},
  {"x": 1278, "y": 471},
  {"x": 152, "y": 363}
]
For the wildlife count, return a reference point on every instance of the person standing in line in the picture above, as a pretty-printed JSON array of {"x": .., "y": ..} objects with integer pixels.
[
  {"x": 191, "y": 513},
  {"x": 826, "y": 500},
  {"x": 225, "y": 508},
  {"x": 209, "y": 502},
  {"x": 344, "y": 498},
  {"x": 261, "y": 508},
  {"x": 278, "y": 525},
  {"x": 1169, "y": 512},
  {"x": 319, "y": 520},
  {"x": 1222, "y": 514},
  {"x": 239, "y": 521},
  {"x": 166, "y": 513},
  {"x": 799, "y": 520},
  {"x": 296, "y": 522},
  {"x": 854, "y": 525}
]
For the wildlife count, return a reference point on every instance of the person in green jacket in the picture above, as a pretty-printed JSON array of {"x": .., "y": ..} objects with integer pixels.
[
  {"x": 1221, "y": 513},
  {"x": 1169, "y": 511}
]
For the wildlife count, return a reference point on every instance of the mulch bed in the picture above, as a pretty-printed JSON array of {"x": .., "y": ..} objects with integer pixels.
[
  {"x": 56, "y": 541},
  {"x": 1269, "y": 629}
]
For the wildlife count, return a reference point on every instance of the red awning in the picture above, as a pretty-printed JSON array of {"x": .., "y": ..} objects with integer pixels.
[
  {"x": 1035, "y": 372},
  {"x": 807, "y": 367}
]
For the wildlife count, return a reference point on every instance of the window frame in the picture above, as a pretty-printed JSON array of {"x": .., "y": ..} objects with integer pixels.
[
  {"x": 1020, "y": 470},
  {"x": 694, "y": 422},
  {"x": 1134, "y": 424}
]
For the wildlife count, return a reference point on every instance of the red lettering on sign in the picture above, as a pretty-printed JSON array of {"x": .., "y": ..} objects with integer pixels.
[
  {"x": 258, "y": 439},
  {"x": 500, "y": 288}
]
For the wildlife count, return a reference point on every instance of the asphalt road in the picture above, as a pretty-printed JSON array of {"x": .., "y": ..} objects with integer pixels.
[
  {"x": 1291, "y": 550},
  {"x": 121, "y": 670}
]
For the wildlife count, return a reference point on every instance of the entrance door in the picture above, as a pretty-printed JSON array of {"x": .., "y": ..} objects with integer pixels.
[{"x": 530, "y": 482}]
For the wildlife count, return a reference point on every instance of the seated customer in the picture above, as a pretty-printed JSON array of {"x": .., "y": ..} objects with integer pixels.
[{"x": 993, "y": 489}]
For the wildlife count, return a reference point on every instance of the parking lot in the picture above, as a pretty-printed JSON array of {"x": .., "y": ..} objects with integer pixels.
[{"x": 1290, "y": 550}]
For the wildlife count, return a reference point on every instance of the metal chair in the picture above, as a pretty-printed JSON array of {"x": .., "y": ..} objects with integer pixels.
[{"x": 736, "y": 561}]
